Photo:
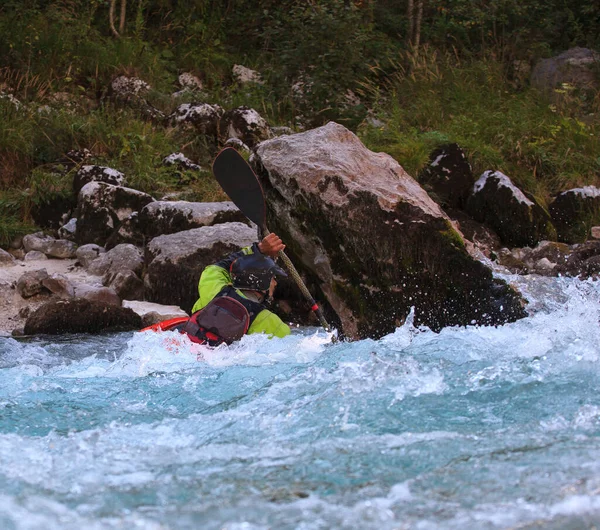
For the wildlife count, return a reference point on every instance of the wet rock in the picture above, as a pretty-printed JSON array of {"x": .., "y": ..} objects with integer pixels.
[
  {"x": 56, "y": 248},
  {"x": 204, "y": 117},
  {"x": 6, "y": 259},
  {"x": 88, "y": 253},
  {"x": 168, "y": 217},
  {"x": 245, "y": 124},
  {"x": 102, "y": 207},
  {"x": 448, "y": 178},
  {"x": 30, "y": 284},
  {"x": 124, "y": 257},
  {"x": 544, "y": 267},
  {"x": 574, "y": 212},
  {"x": 175, "y": 261},
  {"x": 511, "y": 261},
  {"x": 179, "y": 159},
  {"x": 369, "y": 239},
  {"x": 87, "y": 174},
  {"x": 554, "y": 252},
  {"x": 154, "y": 313},
  {"x": 582, "y": 260},
  {"x": 515, "y": 216},
  {"x": 35, "y": 255},
  {"x": 576, "y": 66},
  {"x": 126, "y": 284},
  {"x": 81, "y": 316},
  {"x": 548, "y": 258},
  {"x": 483, "y": 237}
]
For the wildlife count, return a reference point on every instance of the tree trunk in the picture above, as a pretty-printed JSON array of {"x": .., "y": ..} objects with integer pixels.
[
  {"x": 410, "y": 10},
  {"x": 417, "y": 40},
  {"x": 122, "y": 19},
  {"x": 111, "y": 18}
]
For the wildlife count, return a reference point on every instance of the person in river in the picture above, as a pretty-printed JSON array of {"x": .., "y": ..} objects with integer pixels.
[{"x": 233, "y": 293}]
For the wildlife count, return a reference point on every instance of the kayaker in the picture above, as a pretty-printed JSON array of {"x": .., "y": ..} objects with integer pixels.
[{"x": 233, "y": 293}]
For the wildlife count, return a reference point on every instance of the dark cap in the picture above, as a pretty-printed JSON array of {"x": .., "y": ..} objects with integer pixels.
[{"x": 255, "y": 272}]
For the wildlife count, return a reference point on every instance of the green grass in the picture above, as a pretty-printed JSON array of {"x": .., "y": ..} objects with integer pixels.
[
  {"x": 32, "y": 143},
  {"x": 544, "y": 146}
]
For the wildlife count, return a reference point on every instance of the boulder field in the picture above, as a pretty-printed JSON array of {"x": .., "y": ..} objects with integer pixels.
[{"x": 367, "y": 239}]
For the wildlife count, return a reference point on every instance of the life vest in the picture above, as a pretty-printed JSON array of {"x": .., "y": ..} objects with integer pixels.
[{"x": 225, "y": 319}]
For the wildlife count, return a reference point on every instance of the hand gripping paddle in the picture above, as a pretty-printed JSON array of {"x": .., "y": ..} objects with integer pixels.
[{"x": 240, "y": 184}]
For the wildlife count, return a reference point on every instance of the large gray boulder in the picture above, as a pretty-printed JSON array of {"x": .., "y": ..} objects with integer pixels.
[
  {"x": 77, "y": 315},
  {"x": 515, "y": 216},
  {"x": 577, "y": 67},
  {"x": 574, "y": 212},
  {"x": 102, "y": 208},
  {"x": 175, "y": 261},
  {"x": 56, "y": 248},
  {"x": 125, "y": 257},
  {"x": 369, "y": 239},
  {"x": 168, "y": 217}
]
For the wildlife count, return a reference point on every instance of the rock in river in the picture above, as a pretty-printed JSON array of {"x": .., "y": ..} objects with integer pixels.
[{"x": 369, "y": 239}]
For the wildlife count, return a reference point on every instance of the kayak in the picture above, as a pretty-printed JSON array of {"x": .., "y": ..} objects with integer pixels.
[{"x": 167, "y": 325}]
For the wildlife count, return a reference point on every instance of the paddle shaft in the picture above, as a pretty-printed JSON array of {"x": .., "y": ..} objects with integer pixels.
[
  {"x": 239, "y": 182},
  {"x": 303, "y": 289}
]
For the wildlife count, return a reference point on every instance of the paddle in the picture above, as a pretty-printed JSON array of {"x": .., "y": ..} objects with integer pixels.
[{"x": 240, "y": 184}]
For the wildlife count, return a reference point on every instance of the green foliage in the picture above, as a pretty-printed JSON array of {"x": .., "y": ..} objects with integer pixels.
[
  {"x": 313, "y": 73},
  {"x": 455, "y": 87},
  {"x": 540, "y": 146},
  {"x": 12, "y": 223}
]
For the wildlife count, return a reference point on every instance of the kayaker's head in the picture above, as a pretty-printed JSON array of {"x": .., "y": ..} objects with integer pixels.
[{"x": 256, "y": 272}]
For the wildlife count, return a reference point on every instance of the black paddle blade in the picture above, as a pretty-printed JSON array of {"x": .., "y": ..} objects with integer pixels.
[{"x": 240, "y": 184}]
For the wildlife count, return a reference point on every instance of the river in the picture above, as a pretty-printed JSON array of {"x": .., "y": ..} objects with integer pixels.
[{"x": 476, "y": 427}]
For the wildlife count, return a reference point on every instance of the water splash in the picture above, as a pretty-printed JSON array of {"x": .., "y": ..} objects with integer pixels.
[{"x": 472, "y": 427}]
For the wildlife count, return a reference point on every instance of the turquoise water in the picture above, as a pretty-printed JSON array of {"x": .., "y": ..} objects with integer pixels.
[{"x": 469, "y": 428}]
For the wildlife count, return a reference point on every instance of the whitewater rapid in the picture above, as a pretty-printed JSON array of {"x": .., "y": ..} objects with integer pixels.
[{"x": 476, "y": 427}]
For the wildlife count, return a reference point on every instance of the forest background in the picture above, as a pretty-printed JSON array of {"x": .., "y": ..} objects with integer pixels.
[{"x": 405, "y": 75}]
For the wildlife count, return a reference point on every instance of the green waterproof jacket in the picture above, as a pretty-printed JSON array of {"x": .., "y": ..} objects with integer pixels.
[{"x": 215, "y": 277}]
